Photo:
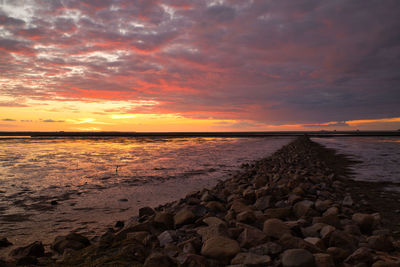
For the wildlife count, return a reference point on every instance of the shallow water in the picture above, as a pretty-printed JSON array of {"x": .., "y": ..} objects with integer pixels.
[
  {"x": 97, "y": 181},
  {"x": 379, "y": 156}
]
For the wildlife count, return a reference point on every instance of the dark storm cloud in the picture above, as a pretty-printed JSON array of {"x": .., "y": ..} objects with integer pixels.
[{"x": 275, "y": 62}]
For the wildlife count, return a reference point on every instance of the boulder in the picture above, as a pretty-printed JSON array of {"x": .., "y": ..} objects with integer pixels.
[
  {"x": 278, "y": 213},
  {"x": 219, "y": 247},
  {"x": 316, "y": 242},
  {"x": 157, "y": 259},
  {"x": 303, "y": 208},
  {"x": 269, "y": 248},
  {"x": 146, "y": 211},
  {"x": 246, "y": 216},
  {"x": 4, "y": 242},
  {"x": 275, "y": 228},
  {"x": 72, "y": 241},
  {"x": 251, "y": 237},
  {"x": 297, "y": 258},
  {"x": 163, "y": 220},
  {"x": 338, "y": 254},
  {"x": 322, "y": 205},
  {"x": 214, "y": 221},
  {"x": 250, "y": 259},
  {"x": 34, "y": 250},
  {"x": 263, "y": 203},
  {"x": 342, "y": 240},
  {"x": 211, "y": 231},
  {"x": 166, "y": 237},
  {"x": 215, "y": 206},
  {"x": 380, "y": 242},
  {"x": 361, "y": 255},
  {"x": 184, "y": 216},
  {"x": 364, "y": 221},
  {"x": 323, "y": 260}
]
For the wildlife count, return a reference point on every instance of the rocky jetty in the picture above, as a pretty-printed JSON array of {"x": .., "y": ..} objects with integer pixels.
[{"x": 290, "y": 209}]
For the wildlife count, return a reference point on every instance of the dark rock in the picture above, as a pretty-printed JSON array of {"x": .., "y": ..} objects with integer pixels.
[
  {"x": 263, "y": 203},
  {"x": 72, "y": 241},
  {"x": 278, "y": 213},
  {"x": 27, "y": 260},
  {"x": 251, "y": 237},
  {"x": 35, "y": 250},
  {"x": 338, "y": 254},
  {"x": 164, "y": 220},
  {"x": 361, "y": 255},
  {"x": 297, "y": 258},
  {"x": 54, "y": 202},
  {"x": 157, "y": 259},
  {"x": 323, "y": 260},
  {"x": 146, "y": 211},
  {"x": 364, "y": 221},
  {"x": 342, "y": 240},
  {"x": 166, "y": 237},
  {"x": 380, "y": 242},
  {"x": 246, "y": 216},
  {"x": 303, "y": 208},
  {"x": 119, "y": 224},
  {"x": 4, "y": 242},
  {"x": 275, "y": 228}
]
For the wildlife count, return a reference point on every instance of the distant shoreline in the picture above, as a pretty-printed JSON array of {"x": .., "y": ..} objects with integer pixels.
[{"x": 201, "y": 134}]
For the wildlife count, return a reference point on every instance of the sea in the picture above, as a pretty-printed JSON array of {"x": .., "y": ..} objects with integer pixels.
[{"x": 52, "y": 186}]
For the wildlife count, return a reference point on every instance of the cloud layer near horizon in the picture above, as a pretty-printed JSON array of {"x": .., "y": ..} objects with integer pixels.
[{"x": 271, "y": 62}]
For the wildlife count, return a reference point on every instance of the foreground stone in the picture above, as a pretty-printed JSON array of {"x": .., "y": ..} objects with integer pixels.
[{"x": 220, "y": 247}]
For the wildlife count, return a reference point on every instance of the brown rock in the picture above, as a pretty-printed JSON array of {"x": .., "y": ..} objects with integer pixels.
[
  {"x": 380, "y": 242},
  {"x": 278, "y": 213},
  {"x": 212, "y": 230},
  {"x": 316, "y": 242},
  {"x": 246, "y": 217},
  {"x": 342, "y": 240},
  {"x": 297, "y": 258},
  {"x": 364, "y": 221},
  {"x": 275, "y": 228},
  {"x": 219, "y": 247},
  {"x": 361, "y": 255},
  {"x": 34, "y": 250},
  {"x": 251, "y": 237},
  {"x": 250, "y": 259},
  {"x": 263, "y": 203},
  {"x": 184, "y": 216},
  {"x": 164, "y": 220},
  {"x": 146, "y": 211},
  {"x": 322, "y": 205},
  {"x": 338, "y": 254},
  {"x": 71, "y": 241},
  {"x": 290, "y": 242},
  {"x": 238, "y": 206},
  {"x": 214, "y": 221},
  {"x": 157, "y": 259},
  {"x": 215, "y": 206},
  {"x": 323, "y": 260},
  {"x": 303, "y": 208}
]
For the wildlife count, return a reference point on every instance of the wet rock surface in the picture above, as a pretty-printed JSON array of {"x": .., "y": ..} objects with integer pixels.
[{"x": 290, "y": 209}]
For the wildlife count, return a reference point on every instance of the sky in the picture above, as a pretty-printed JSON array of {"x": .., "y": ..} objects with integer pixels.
[{"x": 199, "y": 65}]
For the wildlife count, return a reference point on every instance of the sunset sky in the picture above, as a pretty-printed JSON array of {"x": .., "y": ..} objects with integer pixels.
[{"x": 199, "y": 65}]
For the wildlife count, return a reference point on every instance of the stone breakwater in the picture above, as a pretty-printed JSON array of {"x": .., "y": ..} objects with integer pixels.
[{"x": 290, "y": 209}]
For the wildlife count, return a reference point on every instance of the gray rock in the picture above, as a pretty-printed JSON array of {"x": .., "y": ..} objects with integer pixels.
[{"x": 297, "y": 258}]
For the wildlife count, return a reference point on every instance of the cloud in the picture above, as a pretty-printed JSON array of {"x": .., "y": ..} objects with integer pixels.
[
  {"x": 263, "y": 62},
  {"x": 50, "y": 120},
  {"x": 8, "y": 120}
]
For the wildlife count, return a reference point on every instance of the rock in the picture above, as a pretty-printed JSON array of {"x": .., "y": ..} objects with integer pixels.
[
  {"x": 361, "y": 255},
  {"x": 322, "y": 205},
  {"x": 251, "y": 237},
  {"x": 119, "y": 224},
  {"x": 316, "y": 242},
  {"x": 246, "y": 216},
  {"x": 347, "y": 201},
  {"x": 342, "y": 240},
  {"x": 4, "y": 242},
  {"x": 71, "y": 241},
  {"x": 250, "y": 259},
  {"x": 214, "y": 221},
  {"x": 290, "y": 242},
  {"x": 53, "y": 203},
  {"x": 303, "y": 208},
  {"x": 164, "y": 220},
  {"x": 238, "y": 206},
  {"x": 380, "y": 242},
  {"x": 278, "y": 213},
  {"x": 146, "y": 211},
  {"x": 184, "y": 216},
  {"x": 220, "y": 247},
  {"x": 382, "y": 263},
  {"x": 338, "y": 254},
  {"x": 34, "y": 250},
  {"x": 313, "y": 230},
  {"x": 249, "y": 195},
  {"x": 212, "y": 230},
  {"x": 28, "y": 260},
  {"x": 157, "y": 259},
  {"x": 352, "y": 229},
  {"x": 207, "y": 196},
  {"x": 269, "y": 248},
  {"x": 323, "y": 260},
  {"x": 215, "y": 206},
  {"x": 263, "y": 203},
  {"x": 326, "y": 232},
  {"x": 275, "y": 228},
  {"x": 166, "y": 237},
  {"x": 364, "y": 221},
  {"x": 331, "y": 211},
  {"x": 297, "y": 258}
]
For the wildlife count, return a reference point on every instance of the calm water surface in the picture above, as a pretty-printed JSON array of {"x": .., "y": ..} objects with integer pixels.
[
  {"x": 97, "y": 181},
  {"x": 379, "y": 156}
]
